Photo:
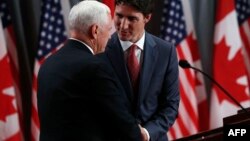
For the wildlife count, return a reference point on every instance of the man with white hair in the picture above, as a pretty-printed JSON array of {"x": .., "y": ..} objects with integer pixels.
[{"x": 79, "y": 96}]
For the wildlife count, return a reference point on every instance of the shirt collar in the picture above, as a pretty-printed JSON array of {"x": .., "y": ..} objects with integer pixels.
[
  {"x": 140, "y": 43},
  {"x": 91, "y": 50}
]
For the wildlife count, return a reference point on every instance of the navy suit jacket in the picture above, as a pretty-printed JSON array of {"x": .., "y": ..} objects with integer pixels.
[
  {"x": 158, "y": 97},
  {"x": 80, "y": 99}
]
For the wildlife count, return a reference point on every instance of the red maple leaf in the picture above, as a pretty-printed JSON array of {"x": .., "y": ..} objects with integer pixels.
[
  {"x": 6, "y": 82},
  {"x": 226, "y": 72}
]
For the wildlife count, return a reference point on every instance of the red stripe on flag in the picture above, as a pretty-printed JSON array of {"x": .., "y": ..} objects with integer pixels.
[
  {"x": 189, "y": 108},
  {"x": 246, "y": 45},
  {"x": 245, "y": 40},
  {"x": 183, "y": 128},
  {"x": 172, "y": 133},
  {"x": 186, "y": 100},
  {"x": 34, "y": 117},
  {"x": 34, "y": 103}
]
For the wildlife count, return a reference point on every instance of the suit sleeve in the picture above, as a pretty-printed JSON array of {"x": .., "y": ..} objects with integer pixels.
[
  {"x": 168, "y": 102},
  {"x": 111, "y": 99}
]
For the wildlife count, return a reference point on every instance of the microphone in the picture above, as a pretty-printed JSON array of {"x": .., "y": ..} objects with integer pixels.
[{"x": 185, "y": 65}]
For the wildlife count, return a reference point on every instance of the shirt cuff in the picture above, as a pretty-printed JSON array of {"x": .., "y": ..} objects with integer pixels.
[{"x": 146, "y": 133}]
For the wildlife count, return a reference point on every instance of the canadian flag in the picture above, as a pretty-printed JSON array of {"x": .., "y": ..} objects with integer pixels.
[
  {"x": 9, "y": 118},
  {"x": 228, "y": 65}
]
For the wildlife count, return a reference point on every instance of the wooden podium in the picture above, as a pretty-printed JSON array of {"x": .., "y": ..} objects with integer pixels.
[{"x": 241, "y": 118}]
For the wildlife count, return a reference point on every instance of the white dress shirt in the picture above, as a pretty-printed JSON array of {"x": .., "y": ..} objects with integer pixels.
[{"x": 140, "y": 46}]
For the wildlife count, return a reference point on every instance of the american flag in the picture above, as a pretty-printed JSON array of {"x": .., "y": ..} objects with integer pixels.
[
  {"x": 228, "y": 65},
  {"x": 51, "y": 37},
  {"x": 243, "y": 15},
  {"x": 178, "y": 28},
  {"x": 9, "y": 115}
]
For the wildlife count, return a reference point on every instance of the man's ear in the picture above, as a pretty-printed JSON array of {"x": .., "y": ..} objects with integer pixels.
[
  {"x": 147, "y": 18},
  {"x": 94, "y": 31}
]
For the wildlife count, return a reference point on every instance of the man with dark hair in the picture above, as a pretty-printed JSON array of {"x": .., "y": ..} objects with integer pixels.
[{"x": 147, "y": 67}]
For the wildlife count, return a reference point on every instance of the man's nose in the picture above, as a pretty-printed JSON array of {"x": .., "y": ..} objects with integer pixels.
[{"x": 124, "y": 24}]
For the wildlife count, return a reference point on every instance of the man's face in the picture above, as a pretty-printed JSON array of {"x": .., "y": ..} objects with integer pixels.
[
  {"x": 129, "y": 22},
  {"x": 104, "y": 35}
]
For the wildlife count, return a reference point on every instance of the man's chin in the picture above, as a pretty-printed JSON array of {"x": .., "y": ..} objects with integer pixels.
[{"x": 123, "y": 38}]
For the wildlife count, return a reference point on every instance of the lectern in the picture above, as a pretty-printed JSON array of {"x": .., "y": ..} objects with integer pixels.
[{"x": 241, "y": 118}]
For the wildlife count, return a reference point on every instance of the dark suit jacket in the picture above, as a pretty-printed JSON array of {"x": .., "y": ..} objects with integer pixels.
[
  {"x": 158, "y": 96},
  {"x": 79, "y": 99}
]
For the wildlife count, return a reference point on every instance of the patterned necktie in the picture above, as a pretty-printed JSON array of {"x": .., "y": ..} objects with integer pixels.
[{"x": 133, "y": 67}]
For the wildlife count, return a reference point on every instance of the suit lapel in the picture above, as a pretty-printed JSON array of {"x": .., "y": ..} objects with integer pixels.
[
  {"x": 116, "y": 56},
  {"x": 149, "y": 61}
]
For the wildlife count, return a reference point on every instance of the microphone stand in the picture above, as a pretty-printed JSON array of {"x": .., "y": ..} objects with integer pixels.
[
  {"x": 185, "y": 64},
  {"x": 225, "y": 91}
]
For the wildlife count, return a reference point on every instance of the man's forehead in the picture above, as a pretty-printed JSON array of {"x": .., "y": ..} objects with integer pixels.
[{"x": 127, "y": 11}]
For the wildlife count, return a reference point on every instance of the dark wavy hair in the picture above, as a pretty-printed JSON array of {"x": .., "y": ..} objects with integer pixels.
[{"x": 144, "y": 6}]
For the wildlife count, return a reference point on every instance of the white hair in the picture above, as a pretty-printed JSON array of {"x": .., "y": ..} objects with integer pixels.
[{"x": 86, "y": 13}]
